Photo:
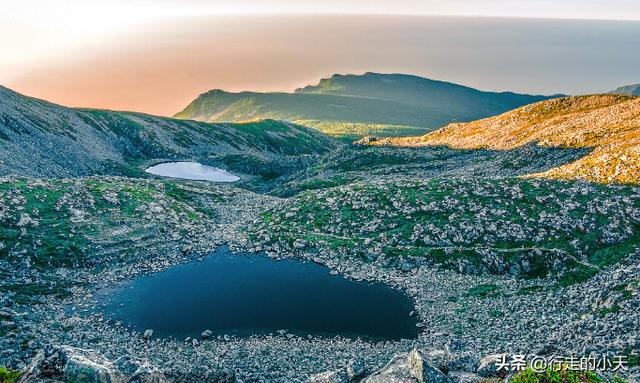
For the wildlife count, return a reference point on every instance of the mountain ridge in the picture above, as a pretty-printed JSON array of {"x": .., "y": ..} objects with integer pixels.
[
  {"x": 628, "y": 90},
  {"x": 348, "y": 104}
]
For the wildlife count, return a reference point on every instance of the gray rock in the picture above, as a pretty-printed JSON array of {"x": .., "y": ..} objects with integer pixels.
[
  {"x": 6, "y": 313},
  {"x": 462, "y": 361},
  {"x": 206, "y": 334},
  {"x": 408, "y": 368},
  {"x": 71, "y": 364},
  {"x": 465, "y": 377},
  {"x": 299, "y": 244},
  {"x": 203, "y": 374},
  {"x": 355, "y": 369},
  {"x": 438, "y": 359},
  {"x": 337, "y": 376},
  {"x": 489, "y": 366},
  {"x": 352, "y": 372},
  {"x": 137, "y": 371}
]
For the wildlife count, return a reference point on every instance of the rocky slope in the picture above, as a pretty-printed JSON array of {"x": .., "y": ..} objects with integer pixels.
[
  {"x": 529, "y": 228},
  {"x": 40, "y": 139},
  {"x": 357, "y": 105},
  {"x": 64, "y": 239},
  {"x": 607, "y": 125}
]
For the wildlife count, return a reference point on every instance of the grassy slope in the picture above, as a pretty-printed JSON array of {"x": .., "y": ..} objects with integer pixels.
[
  {"x": 607, "y": 124},
  {"x": 89, "y": 222},
  {"x": 387, "y": 105}
]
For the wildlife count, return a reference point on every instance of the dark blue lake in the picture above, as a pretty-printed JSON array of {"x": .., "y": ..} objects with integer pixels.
[{"x": 246, "y": 295}]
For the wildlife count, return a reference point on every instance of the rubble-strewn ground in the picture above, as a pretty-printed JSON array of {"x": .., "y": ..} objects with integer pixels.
[
  {"x": 496, "y": 262},
  {"x": 472, "y": 253}
]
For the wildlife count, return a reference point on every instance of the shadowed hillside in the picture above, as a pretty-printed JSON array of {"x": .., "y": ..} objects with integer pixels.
[{"x": 41, "y": 139}]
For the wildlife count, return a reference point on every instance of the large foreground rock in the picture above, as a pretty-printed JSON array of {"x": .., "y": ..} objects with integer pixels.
[
  {"x": 408, "y": 368},
  {"x": 69, "y": 364}
]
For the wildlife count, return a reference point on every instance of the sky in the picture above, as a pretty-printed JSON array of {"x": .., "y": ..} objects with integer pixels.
[{"x": 155, "y": 56}]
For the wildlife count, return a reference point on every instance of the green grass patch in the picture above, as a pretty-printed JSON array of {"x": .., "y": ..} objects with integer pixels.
[
  {"x": 609, "y": 310},
  {"x": 633, "y": 357},
  {"x": 482, "y": 291},
  {"x": 623, "y": 289},
  {"x": 550, "y": 376},
  {"x": 25, "y": 293},
  {"x": 8, "y": 375},
  {"x": 580, "y": 274},
  {"x": 530, "y": 290},
  {"x": 495, "y": 313}
]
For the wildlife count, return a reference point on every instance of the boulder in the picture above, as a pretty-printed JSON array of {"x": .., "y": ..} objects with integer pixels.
[
  {"x": 366, "y": 140},
  {"x": 337, "y": 376},
  {"x": 6, "y": 313},
  {"x": 136, "y": 371},
  {"x": 438, "y": 359},
  {"x": 147, "y": 334},
  {"x": 355, "y": 369},
  {"x": 206, "y": 334},
  {"x": 462, "y": 361},
  {"x": 69, "y": 364},
  {"x": 201, "y": 373},
  {"x": 489, "y": 366},
  {"x": 408, "y": 368}
]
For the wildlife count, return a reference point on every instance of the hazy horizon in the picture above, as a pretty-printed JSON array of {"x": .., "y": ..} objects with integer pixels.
[{"x": 160, "y": 67}]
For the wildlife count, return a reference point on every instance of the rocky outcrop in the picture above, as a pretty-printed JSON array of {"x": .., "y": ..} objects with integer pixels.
[
  {"x": 529, "y": 241},
  {"x": 69, "y": 364},
  {"x": 412, "y": 367},
  {"x": 408, "y": 368}
]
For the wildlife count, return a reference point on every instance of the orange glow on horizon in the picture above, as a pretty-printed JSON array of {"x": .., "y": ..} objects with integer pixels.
[{"x": 160, "y": 67}]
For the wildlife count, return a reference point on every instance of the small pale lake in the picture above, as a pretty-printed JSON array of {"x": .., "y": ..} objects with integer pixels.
[{"x": 192, "y": 171}]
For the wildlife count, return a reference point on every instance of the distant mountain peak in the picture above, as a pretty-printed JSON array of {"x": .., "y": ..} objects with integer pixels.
[
  {"x": 628, "y": 90},
  {"x": 360, "y": 102}
]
